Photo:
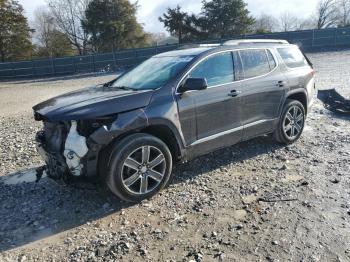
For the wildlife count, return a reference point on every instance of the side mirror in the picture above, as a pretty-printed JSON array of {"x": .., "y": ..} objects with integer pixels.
[{"x": 193, "y": 84}]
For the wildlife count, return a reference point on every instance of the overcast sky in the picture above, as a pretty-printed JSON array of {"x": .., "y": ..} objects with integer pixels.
[{"x": 150, "y": 10}]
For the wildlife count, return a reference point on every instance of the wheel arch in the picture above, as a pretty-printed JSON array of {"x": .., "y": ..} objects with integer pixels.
[{"x": 299, "y": 95}]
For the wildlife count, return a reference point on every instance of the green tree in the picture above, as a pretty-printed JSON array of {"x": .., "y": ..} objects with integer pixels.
[
  {"x": 174, "y": 21},
  {"x": 225, "y": 18},
  {"x": 15, "y": 40},
  {"x": 112, "y": 25}
]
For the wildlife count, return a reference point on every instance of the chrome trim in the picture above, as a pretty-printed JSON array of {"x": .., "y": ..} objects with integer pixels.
[
  {"x": 258, "y": 122},
  {"x": 227, "y": 132},
  {"x": 208, "y": 138},
  {"x": 238, "y": 81}
]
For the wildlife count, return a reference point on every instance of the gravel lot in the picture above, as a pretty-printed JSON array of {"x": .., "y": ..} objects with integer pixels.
[{"x": 256, "y": 201}]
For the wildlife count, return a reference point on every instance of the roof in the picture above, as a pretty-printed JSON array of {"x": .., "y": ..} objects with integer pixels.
[{"x": 195, "y": 50}]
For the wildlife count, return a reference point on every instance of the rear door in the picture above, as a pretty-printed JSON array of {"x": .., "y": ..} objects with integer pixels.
[{"x": 263, "y": 89}]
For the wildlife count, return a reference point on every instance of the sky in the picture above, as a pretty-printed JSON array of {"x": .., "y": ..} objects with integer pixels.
[{"x": 150, "y": 10}]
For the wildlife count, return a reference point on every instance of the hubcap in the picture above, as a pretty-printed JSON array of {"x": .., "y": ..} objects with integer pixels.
[
  {"x": 293, "y": 122},
  {"x": 143, "y": 170}
]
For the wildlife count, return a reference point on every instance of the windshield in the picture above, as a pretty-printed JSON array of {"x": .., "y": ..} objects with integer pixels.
[{"x": 153, "y": 73}]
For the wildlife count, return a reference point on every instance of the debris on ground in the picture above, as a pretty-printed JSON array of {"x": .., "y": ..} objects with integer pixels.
[{"x": 334, "y": 102}]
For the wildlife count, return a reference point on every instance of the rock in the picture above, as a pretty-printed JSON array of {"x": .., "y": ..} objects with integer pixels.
[
  {"x": 335, "y": 181},
  {"x": 284, "y": 167}
]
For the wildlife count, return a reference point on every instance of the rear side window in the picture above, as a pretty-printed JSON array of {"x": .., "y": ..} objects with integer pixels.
[
  {"x": 217, "y": 69},
  {"x": 255, "y": 63},
  {"x": 292, "y": 57}
]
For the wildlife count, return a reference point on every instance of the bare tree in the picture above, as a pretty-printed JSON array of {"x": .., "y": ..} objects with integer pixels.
[
  {"x": 68, "y": 15},
  {"x": 343, "y": 7},
  {"x": 288, "y": 22},
  {"x": 304, "y": 23},
  {"x": 265, "y": 24},
  {"x": 44, "y": 25},
  {"x": 51, "y": 42},
  {"x": 326, "y": 14}
]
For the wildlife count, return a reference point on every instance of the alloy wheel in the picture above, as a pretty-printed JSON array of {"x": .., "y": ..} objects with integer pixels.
[
  {"x": 143, "y": 170},
  {"x": 293, "y": 123}
]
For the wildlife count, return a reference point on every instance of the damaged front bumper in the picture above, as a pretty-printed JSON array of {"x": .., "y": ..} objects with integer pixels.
[
  {"x": 80, "y": 149},
  {"x": 65, "y": 152}
]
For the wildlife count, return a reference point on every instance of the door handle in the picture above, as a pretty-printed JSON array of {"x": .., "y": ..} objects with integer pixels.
[
  {"x": 280, "y": 83},
  {"x": 235, "y": 93}
]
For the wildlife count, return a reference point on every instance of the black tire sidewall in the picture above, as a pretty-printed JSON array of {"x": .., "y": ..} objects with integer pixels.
[
  {"x": 121, "y": 151},
  {"x": 282, "y": 136}
]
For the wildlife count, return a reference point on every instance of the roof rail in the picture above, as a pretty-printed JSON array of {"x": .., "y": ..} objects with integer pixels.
[
  {"x": 255, "y": 41},
  {"x": 186, "y": 46},
  {"x": 209, "y": 45}
]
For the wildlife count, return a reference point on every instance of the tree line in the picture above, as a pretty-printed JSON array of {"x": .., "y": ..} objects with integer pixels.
[
  {"x": 71, "y": 27},
  {"x": 226, "y": 18}
]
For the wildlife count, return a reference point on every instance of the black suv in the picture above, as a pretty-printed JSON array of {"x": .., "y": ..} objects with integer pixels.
[{"x": 173, "y": 107}]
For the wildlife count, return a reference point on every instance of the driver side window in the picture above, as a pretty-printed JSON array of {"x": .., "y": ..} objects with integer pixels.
[{"x": 217, "y": 69}]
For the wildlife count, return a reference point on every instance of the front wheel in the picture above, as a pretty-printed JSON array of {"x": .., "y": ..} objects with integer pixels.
[
  {"x": 292, "y": 122},
  {"x": 140, "y": 166}
]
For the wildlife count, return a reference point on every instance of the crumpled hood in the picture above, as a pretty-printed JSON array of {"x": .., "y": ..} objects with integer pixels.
[{"x": 89, "y": 103}]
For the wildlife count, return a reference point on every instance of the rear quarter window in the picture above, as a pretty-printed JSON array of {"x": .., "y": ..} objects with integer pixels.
[
  {"x": 255, "y": 62},
  {"x": 292, "y": 57}
]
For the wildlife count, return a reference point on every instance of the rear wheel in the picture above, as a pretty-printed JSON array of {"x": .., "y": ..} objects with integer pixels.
[
  {"x": 140, "y": 167},
  {"x": 292, "y": 122}
]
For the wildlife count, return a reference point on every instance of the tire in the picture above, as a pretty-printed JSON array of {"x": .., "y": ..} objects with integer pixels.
[
  {"x": 132, "y": 177},
  {"x": 290, "y": 122}
]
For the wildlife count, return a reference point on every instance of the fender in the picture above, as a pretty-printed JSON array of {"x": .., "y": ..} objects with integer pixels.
[
  {"x": 124, "y": 123},
  {"x": 130, "y": 122},
  {"x": 174, "y": 130}
]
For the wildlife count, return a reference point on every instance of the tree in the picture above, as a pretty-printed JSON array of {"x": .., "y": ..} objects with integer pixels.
[
  {"x": 226, "y": 18},
  {"x": 174, "y": 21},
  {"x": 343, "y": 7},
  {"x": 265, "y": 24},
  {"x": 68, "y": 15},
  {"x": 326, "y": 14},
  {"x": 112, "y": 25},
  {"x": 288, "y": 22},
  {"x": 14, "y": 32},
  {"x": 304, "y": 24},
  {"x": 51, "y": 42}
]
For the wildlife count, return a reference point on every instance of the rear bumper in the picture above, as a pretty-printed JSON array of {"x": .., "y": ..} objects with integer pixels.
[{"x": 312, "y": 94}]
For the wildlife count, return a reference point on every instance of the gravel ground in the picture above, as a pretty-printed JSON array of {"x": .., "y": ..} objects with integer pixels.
[{"x": 256, "y": 201}]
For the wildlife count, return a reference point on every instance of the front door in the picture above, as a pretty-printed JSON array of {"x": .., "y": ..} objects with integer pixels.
[{"x": 217, "y": 108}]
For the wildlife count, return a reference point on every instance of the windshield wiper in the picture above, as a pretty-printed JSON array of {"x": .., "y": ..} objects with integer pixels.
[{"x": 124, "y": 88}]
